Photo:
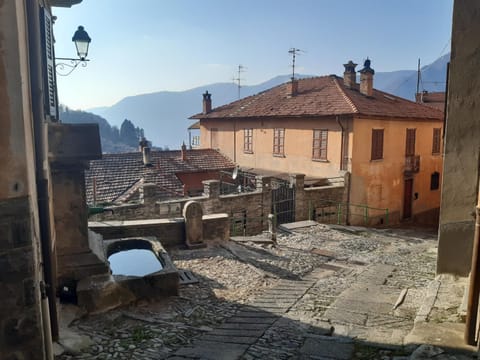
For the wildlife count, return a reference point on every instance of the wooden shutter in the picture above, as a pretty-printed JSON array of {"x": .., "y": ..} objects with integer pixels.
[
  {"x": 50, "y": 81},
  {"x": 436, "y": 141},
  {"x": 410, "y": 143},
  {"x": 377, "y": 144}
]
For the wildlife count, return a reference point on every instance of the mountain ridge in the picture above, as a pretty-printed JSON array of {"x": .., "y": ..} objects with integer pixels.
[{"x": 164, "y": 114}]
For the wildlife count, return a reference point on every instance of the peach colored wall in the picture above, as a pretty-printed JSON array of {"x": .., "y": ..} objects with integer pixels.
[
  {"x": 380, "y": 183},
  {"x": 298, "y": 144}
]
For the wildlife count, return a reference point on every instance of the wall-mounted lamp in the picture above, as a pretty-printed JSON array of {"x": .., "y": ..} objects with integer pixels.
[{"x": 82, "y": 41}]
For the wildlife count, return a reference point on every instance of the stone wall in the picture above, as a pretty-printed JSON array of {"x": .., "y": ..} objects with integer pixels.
[
  {"x": 248, "y": 210},
  {"x": 461, "y": 154}
]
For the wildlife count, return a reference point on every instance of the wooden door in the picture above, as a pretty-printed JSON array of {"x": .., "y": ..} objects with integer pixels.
[{"x": 407, "y": 199}]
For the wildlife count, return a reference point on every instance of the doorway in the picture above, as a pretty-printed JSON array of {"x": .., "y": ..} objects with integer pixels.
[{"x": 408, "y": 199}]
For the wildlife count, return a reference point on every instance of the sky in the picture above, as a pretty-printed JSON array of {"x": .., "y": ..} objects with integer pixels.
[{"x": 146, "y": 46}]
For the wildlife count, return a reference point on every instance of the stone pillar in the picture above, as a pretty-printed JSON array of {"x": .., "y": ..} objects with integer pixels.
[
  {"x": 70, "y": 148},
  {"x": 460, "y": 165},
  {"x": 193, "y": 213},
  {"x": 149, "y": 193},
  {"x": 211, "y": 188},
  {"x": 264, "y": 184},
  {"x": 301, "y": 201}
]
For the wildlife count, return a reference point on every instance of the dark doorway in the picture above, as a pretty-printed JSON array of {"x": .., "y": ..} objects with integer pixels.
[
  {"x": 283, "y": 201},
  {"x": 407, "y": 199}
]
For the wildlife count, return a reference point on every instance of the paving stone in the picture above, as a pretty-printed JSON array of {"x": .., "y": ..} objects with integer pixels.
[
  {"x": 213, "y": 351},
  {"x": 245, "y": 326},
  {"x": 237, "y": 332},
  {"x": 328, "y": 347},
  {"x": 248, "y": 320},
  {"x": 258, "y": 313},
  {"x": 230, "y": 339}
]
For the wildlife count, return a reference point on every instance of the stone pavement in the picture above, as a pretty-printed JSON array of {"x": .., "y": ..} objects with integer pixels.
[{"x": 320, "y": 294}]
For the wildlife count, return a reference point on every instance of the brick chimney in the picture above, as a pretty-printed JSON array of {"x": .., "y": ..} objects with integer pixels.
[
  {"x": 292, "y": 87},
  {"x": 184, "y": 152},
  {"x": 366, "y": 79},
  {"x": 350, "y": 75},
  {"x": 147, "y": 156},
  {"x": 142, "y": 143},
  {"x": 207, "y": 102}
]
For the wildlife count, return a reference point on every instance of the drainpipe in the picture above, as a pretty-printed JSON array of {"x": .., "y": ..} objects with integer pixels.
[
  {"x": 41, "y": 160},
  {"x": 46, "y": 322},
  {"x": 342, "y": 157}
]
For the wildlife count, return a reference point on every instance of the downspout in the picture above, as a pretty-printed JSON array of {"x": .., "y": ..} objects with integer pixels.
[
  {"x": 41, "y": 161},
  {"x": 342, "y": 157},
  {"x": 234, "y": 141}
]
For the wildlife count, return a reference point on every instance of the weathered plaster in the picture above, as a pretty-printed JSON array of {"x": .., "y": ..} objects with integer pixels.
[{"x": 461, "y": 164}]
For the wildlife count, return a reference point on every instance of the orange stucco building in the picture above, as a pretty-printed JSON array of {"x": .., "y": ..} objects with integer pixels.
[{"x": 326, "y": 126}]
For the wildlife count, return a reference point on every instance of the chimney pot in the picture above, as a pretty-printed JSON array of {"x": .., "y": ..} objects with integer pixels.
[
  {"x": 147, "y": 156},
  {"x": 184, "y": 152},
  {"x": 366, "y": 79},
  {"x": 207, "y": 103},
  {"x": 350, "y": 75}
]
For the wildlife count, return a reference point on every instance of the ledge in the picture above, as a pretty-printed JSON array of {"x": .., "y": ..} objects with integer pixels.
[{"x": 71, "y": 143}]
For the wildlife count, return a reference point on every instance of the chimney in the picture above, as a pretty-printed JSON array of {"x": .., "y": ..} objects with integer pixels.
[
  {"x": 147, "y": 156},
  {"x": 142, "y": 143},
  {"x": 207, "y": 102},
  {"x": 350, "y": 75},
  {"x": 366, "y": 79},
  {"x": 292, "y": 87},
  {"x": 184, "y": 152}
]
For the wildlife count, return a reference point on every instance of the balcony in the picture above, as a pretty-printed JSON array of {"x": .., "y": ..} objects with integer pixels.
[{"x": 412, "y": 164}]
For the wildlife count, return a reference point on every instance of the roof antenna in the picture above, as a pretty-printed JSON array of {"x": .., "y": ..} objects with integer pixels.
[
  {"x": 294, "y": 52},
  {"x": 419, "y": 76},
  {"x": 238, "y": 79}
]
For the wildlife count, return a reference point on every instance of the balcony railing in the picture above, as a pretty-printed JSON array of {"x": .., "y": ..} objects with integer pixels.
[{"x": 412, "y": 164}]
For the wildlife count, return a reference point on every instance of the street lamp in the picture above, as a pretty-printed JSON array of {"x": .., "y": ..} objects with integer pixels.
[{"x": 82, "y": 41}]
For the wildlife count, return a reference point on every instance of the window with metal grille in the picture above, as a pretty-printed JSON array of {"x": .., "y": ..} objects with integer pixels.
[
  {"x": 320, "y": 141},
  {"x": 377, "y": 144},
  {"x": 410, "y": 143},
  {"x": 248, "y": 140},
  {"x": 435, "y": 181},
  {"x": 278, "y": 141},
  {"x": 437, "y": 136}
]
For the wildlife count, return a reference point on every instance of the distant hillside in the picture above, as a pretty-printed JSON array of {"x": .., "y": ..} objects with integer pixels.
[
  {"x": 164, "y": 115},
  {"x": 114, "y": 139}
]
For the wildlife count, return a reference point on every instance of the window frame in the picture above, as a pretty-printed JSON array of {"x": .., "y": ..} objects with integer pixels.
[
  {"x": 248, "y": 140},
  {"x": 279, "y": 141},
  {"x": 410, "y": 139},
  {"x": 320, "y": 145},
  {"x": 377, "y": 144}
]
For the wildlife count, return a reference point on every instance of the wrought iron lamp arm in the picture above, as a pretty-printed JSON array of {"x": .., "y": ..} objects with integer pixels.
[{"x": 65, "y": 69}]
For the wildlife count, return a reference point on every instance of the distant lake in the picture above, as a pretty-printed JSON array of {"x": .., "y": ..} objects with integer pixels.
[{"x": 134, "y": 262}]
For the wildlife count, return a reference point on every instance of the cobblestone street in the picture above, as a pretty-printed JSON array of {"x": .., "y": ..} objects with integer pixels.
[{"x": 323, "y": 292}]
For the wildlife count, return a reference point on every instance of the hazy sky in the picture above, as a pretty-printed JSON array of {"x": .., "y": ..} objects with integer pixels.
[{"x": 144, "y": 46}]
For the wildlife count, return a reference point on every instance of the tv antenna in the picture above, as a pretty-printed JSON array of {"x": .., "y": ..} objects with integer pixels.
[
  {"x": 238, "y": 79},
  {"x": 294, "y": 52}
]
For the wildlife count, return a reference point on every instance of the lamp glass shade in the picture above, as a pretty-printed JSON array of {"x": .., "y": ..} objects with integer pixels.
[{"x": 82, "y": 41}]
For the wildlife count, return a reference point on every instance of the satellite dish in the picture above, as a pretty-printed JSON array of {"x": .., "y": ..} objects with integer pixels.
[{"x": 235, "y": 173}]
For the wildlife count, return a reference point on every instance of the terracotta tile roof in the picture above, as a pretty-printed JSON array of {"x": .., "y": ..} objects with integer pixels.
[
  {"x": 433, "y": 99},
  {"x": 116, "y": 174},
  {"x": 321, "y": 96}
]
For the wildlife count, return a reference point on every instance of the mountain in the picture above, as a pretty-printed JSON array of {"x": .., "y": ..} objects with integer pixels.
[
  {"x": 113, "y": 139},
  {"x": 164, "y": 115}
]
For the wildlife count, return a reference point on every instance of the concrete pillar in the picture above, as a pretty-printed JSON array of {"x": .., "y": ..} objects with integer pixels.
[
  {"x": 462, "y": 144},
  {"x": 70, "y": 148}
]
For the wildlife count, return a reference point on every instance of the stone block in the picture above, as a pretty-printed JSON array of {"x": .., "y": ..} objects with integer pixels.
[{"x": 70, "y": 143}]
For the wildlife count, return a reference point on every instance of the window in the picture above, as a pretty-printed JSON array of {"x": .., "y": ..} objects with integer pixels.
[
  {"x": 320, "y": 140},
  {"x": 214, "y": 138},
  {"x": 248, "y": 140},
  {"x": 410, "y": 143},
  {"x": 377, "y": 144},
  {"x": 437, "y": 134},
  {"x": 278, "y": 141},
  {"x": 435, "y": 181}
]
